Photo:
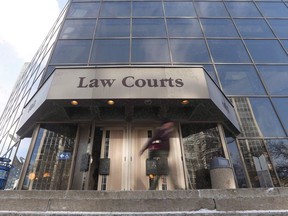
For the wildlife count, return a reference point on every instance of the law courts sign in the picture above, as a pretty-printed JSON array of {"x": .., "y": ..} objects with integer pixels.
[{"x": 126, "y": 83}]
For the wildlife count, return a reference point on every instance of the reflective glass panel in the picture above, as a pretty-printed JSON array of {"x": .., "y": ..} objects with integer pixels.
[
  {"x": 278, "y": 151},
  {"x": 275, "y": 78},
  {"x": 83, "y": 10},
  {"x": 78, "y": 29},
  {"x": 228, "y": 51},
  {"x": 239, "y": 80},
  {"x": 254, "y": 28},
  {"x": 150, "y": 50},
  {"x": 273, "y": 9},
  {"x": 183, "y": 28},
  {"x": 280, "y": 27},
  {"x": 211, "y": 9},
  {"x": 110, "y": 51},
  {"x": 179, "y": 9},
  {"x": 285, "y": 44},
  {"x": 242, "y": 9},
  {"x": 198, "y": 152},
  {"x": 189, "y": 51},
  {"x": 266, "y": 51},
  {"x": 266, "y": 118},
  {"x": 281, "y": 105},
  {"x": 47, "y": 169},
  {"x": 115, "y": 9},
  {"x": 219, "y": 28},
  {"x": 113, "y": 28},
  {"x": 148, "y": 28},
  {"x": 142, "y": 9},
  {"x": 71, "y": 51},
  {"x": 210, "y": 70}
]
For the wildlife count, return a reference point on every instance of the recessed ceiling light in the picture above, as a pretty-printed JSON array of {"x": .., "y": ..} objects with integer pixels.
[
  {"x": 185, "y": 102},
  {"x": 74, "y": 102},
  {"x": 110, "y": 102}
]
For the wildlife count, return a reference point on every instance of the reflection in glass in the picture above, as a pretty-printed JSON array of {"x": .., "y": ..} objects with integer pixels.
[
  {"x": 254, "y": 28},
  {"x": 71, "y": 51},
  {"x": 51, "y": 159},
  {"x": 240, "y": 80},
  {"x": 258, "y": 163},
  {"x": 280, "y": 27},
  {"x": 179, "y": 9},
  {"x": 281, "y": 105},
  {"x": 228, "y": 51},
  {"x": 142, "y": 9},
  {"x": 237, "y": 162},
  {"x": 113, "y": 28},
  {"x": 211, "y": 9},
  {"x": 115, "y": 9},
  {"x": 78, "y": 29},
  {"x": 189, "y": 50},
  {"x": 266, "y": 118},
  {"x": 266, "y": 51},
  {"x": 275, "y": 78},
  {"x": 201, "y": 143},
  {"x": 242, "y": 9},
  {"x": 219, "y": 28},
  {"x": 148, "y": 28},
  {"x": 273, "y": 9},
  {"x": 110, "y": 51},
  {"x": 278, "y": 150},
  {"x": 183, "y": 28},
  {"x": 150, "y": 50},
  {"x": 83, "y": 10}
]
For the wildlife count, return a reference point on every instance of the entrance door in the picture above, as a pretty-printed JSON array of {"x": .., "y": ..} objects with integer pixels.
[{"x": 120, "y": 149}]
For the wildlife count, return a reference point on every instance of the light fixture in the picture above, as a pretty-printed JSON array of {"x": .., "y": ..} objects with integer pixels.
[
  {"x": 74, "y": 102},
  {"x": 110, "y": 102},
  {"x": 185, "y": 102}
]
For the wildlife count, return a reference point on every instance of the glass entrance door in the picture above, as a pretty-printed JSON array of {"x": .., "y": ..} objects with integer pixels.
[{"x": 122, "y": 168}]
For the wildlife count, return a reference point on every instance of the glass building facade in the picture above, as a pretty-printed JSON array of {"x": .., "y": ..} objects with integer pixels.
[{"x": 243, "y": 45}]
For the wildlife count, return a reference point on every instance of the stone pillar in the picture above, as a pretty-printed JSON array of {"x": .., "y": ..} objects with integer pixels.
[{"x": 221, "y": 174}]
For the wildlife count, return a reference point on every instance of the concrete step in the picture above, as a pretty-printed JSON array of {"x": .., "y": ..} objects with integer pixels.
[{"x": 270, "y": 201}]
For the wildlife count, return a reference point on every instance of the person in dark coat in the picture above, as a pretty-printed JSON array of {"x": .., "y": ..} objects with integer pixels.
[{"x": 159, "y": 147}]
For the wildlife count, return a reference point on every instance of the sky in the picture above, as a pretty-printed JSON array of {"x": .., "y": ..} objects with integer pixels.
[{"x": 23, "y": 27}]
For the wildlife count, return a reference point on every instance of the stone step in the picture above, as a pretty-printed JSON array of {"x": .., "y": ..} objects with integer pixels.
[{"x": 270, "y": 201}]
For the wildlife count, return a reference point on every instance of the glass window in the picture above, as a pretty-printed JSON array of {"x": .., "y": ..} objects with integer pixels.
[
  {"x": 266, "y": 118},
  {"x": 83, "y": 10},
  {"x": 150, "y": 50},
  {"x": 285, "y": 44},
  {"x": 113, "y": 28},
  {"x": 219, "y": 28},
  {"x": 278, "y": 151},
  {"x": 240, "y": 80},
  {"x": 228, "y": 51},
  {"x": 211, "y": 9},
  {"x": 177, "y": 9},
  {"x": 78, "y": 29},
  {"x": 189, "y": 51},
  {"x": 115, "y": 9},
  {"x": 275, "y": 78},
  {"x": 47, "y": 170},
  {"x": 280, "y": 27},
  {"x": 110, "y": 51},
  {"x": 266, "y": 51},
  {"x": 142, "y": 9},
  {"x": 281, "y": 105},
  {"x": 273, "y": 9},
  {"x": 242, "y": 9},
  {"x": 254, "y": 28},
  {"x": 71, "y": 51},
  {"x": 148, "y": 28},
  {"x": 183, "y": 28},
  {"x": 210, "y": 70}
]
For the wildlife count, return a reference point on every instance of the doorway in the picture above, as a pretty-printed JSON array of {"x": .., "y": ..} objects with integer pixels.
[{"x": 116, "y": 163}]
